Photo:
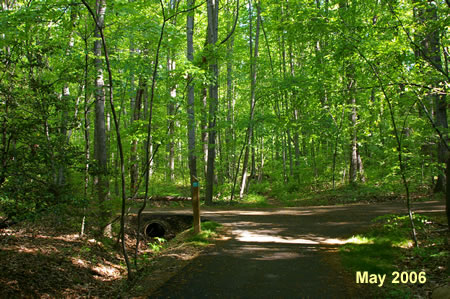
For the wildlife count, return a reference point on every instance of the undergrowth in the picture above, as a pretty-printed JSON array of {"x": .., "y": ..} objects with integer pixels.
[
  {"x": 387, "y": 247},
  {"x": 207, "y": 234}
]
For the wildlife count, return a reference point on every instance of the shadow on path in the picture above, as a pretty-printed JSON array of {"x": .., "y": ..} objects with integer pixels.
[{"x": 278, "y": 253}]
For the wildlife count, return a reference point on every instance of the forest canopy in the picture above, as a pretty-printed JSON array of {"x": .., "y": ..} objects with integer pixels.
[{"x": 103, "y": 101}]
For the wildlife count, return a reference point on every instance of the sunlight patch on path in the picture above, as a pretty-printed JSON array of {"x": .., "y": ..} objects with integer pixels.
[{"x": 249, "y": 236}]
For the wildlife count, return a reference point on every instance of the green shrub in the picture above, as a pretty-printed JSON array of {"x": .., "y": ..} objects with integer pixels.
[{"x": 209, "y": 229}]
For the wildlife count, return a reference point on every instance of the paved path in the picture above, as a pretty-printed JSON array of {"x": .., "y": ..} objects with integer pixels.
[{"x": 279, "y": 253}]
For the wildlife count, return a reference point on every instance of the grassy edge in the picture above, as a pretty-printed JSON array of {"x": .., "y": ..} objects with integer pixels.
[{"x": 387, "y": 247}]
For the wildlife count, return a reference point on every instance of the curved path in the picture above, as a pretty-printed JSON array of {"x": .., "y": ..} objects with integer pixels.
[{"x": 279, "y": 253}]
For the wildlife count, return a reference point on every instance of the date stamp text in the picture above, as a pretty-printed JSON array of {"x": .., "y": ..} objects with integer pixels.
[{"x": 396, "y": 277}]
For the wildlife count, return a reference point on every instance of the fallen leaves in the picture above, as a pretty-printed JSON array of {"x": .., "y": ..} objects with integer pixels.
[{"x": 45, "y": 264}]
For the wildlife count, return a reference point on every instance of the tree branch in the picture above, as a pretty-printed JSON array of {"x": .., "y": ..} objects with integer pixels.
[{"x": 234, "y": 25}]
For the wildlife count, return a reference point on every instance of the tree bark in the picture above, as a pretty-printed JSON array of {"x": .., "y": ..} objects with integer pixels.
[
  {"x": 100, "y": 153},
  {"x": 213, "y": 16},
  {"x": 190, "y": 96}
]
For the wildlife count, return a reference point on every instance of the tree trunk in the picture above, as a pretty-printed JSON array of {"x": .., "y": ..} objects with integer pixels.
[
  {"x": 170, "y": 117},
  {"x": 253, "y": 73},
  {"x": 313, "y": 153},
  {"x": 6, "y": 141},
  {"x": 230, "y": 113},
  {"x": 204, "y": 128},
  {"x": 86, "y": 131},
  {"x": 118, "y": 136},
  {"x": 261, "y": 166},
  {"x": 291, "y": 165},
  {"x": 65, "y": 98},
  {"x": 172, "y": 100},
  {"x": 362, "y": 177},
  {"x": 430, "y": 50},
  {"x": 447, "y": 193},
  {"x": 190, "y": 96},
  {"x": 100, "y": 154},
  {"x": 296, "y": 119},
  {"x": 230, "y": 107},
  {"x": 213, "y": 18},
  {"x": 134, "y": 169},
  {"x": 283, "y": 148},
  {"x": 353, "y": 170}
]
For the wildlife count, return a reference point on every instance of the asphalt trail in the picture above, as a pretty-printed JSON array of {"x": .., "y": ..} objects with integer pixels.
[{"x": 279, "y": 253}]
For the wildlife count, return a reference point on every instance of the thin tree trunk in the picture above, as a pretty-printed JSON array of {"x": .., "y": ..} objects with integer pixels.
[
  {"x": 148, "y": 153},
  {"x": 296, "y": 146},
  {"x": 119, "y": 140},
  {"x": 285, "y": 98},
  {"x": 230, "y": 108},
  {"x": 362, "y": 177},
  {"x": 261, "y": 166},
  {"x": 6, "y": 141},
  {"x": 313, "y": 153},
  {"x": 253, "y": 168},
  {"x": 291, "y": 164},
  {"x": 204, "y": 128},
  {"x": 253, "y": 73},
  {"x": 296, "y": 118},
  {"x": 336, "y": 143},
  {"x": 134, "y": 168},
  {"x": 86, "y": 151},
  {"x": 65, "y": 98},
  {"x": 170, "y": 117},
  {"x": 447, "y": 193},
  {"x": 86, "y": 131},
  {"x": 247, "y": 142},
  {"x": 353, "y": 170},
  {"x": 147, "y": 167},
  {"x": 136, "y": 113},
  {"x": 399, "y": 146},
  {"x": 283, "y": 148}
]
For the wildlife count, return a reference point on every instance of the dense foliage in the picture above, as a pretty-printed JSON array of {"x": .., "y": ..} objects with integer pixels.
[{"x": 312, "y": 95}]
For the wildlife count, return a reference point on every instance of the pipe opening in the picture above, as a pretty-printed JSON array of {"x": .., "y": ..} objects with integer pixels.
[{"x": 154, "y": 230}]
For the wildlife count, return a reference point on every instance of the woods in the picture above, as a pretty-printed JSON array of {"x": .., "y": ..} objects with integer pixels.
[{"x": 103, "y": 102}]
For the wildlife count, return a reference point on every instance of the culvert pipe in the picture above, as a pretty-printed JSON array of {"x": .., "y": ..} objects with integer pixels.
[{"x": 156, "y": 229}]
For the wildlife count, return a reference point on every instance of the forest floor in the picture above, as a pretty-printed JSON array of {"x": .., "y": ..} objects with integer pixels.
[
  {"x": 262, "y": 252},
  {"x": 46, "y": 260}
]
